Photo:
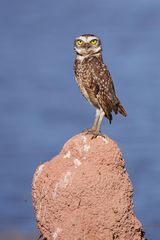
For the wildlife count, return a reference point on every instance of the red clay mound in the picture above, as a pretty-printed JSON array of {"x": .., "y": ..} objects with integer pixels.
[{"x": 85, "y": 193}]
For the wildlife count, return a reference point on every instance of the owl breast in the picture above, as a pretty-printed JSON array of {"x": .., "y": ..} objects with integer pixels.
[{"x": 83, "y": 76}]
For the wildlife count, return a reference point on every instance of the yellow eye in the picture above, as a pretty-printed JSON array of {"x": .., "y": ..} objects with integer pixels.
[
  {"x": 94, "y": 41},
  {"x": 79, "y": 42}
]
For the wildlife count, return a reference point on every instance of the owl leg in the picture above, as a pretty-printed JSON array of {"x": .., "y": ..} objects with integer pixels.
[
  {"x": 95, "y": 123},
  {"x": 100, "y": 119},
  {"x": 94, "y": 126},
  {"x": 95, "y": 130}
]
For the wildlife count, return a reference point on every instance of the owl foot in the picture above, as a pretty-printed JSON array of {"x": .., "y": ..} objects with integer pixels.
[
  {"x": 95, "y": 133},
  {"x": 88, "y": 130}
]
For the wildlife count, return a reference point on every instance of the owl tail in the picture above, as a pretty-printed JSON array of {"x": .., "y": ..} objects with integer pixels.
[{"x": 121, "y": 110}]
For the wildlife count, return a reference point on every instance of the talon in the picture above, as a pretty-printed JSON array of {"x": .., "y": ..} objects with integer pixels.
[
  {"x": 88, "y": 130},
  {"x": 94, "y": 132}
]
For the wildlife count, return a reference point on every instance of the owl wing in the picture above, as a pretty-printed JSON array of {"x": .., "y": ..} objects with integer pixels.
[{"x": 105, "y": 91}]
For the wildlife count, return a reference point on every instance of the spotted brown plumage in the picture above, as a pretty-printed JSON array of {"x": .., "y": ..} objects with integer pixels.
[{"x": 94, "y": 80}]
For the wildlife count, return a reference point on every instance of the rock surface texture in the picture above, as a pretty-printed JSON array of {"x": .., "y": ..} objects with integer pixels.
[{"x": 84, "y": 193}]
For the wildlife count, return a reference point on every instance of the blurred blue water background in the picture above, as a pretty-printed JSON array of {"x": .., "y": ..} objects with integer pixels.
[{"x": 41, "y": 106}]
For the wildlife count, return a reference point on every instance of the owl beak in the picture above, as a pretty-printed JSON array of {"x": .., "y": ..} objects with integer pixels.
[{"x": 87, "y": 47}]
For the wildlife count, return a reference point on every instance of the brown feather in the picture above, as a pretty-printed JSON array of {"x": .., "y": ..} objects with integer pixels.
[{"x": 96, "y": 85}]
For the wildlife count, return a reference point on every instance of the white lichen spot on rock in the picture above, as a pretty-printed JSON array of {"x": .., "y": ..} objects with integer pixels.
[
  {"x": 56, "y": 233},
  {"x": 104, "y": 139},
  {"x": 86, "y": 147},
  {"x": 77, "y": 162},
  {"x": 67, "y": 155},
  {"x": 63, "y": 183},
  {"x": 84, "y": 139},
  {"x": 38, "y": 173}
]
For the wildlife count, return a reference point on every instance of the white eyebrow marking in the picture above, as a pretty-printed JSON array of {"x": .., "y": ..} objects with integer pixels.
[
  {"x": 91, "y": 38},
  {"x": 87, "y": 38}
]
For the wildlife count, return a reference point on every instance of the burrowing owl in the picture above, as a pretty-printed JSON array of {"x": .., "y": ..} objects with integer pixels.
[{"x": 95, "y": 81}]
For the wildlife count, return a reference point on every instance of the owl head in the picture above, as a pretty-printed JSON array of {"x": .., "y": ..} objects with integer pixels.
[{"x": 87, "y": 44}]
